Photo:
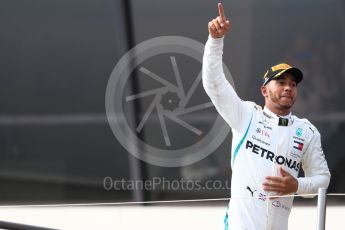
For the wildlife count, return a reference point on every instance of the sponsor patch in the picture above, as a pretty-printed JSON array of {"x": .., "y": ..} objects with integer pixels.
[
  {"x": 268, "y": 155},
  {"x": 298, "y": 145},
  {"x": 299, "y": 132},
  {"x": 266, "y": 115},
  {"x": 311, "y": 129},
  {"x": 276, "y": 204},
  {"x": 259, "y": 140},
  {"x": 295, "y": 154},
  {"x": 283, "y": 122},
  {"x": 265, "y": 126},
  {"x": 263, "y": 132},
  {"x": 262, "y": 197},
  {"x": 298, "y": 138}
]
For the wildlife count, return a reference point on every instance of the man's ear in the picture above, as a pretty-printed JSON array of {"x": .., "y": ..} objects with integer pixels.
[{"x": 264, "y": 91}]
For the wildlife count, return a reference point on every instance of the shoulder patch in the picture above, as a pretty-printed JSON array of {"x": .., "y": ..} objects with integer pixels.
[{"x": 309, "y": 125}]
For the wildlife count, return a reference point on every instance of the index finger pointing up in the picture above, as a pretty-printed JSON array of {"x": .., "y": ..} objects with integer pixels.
[{"x": 221, "y": 11}]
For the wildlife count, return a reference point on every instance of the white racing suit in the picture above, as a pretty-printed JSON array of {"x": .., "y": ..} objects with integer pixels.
[{"x": 261, "y": 143}]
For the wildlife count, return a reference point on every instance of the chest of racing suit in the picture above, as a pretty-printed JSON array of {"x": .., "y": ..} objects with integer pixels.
[{"x": 262, "y": 142}]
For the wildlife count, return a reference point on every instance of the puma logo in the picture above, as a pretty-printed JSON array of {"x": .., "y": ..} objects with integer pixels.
[{"x": 250, "y": 190}]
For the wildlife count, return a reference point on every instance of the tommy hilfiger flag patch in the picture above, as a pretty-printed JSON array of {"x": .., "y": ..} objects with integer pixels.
[{"x": 298, "y": 145}]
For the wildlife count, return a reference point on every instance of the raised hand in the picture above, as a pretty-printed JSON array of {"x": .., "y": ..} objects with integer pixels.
[{"x": 219, "y": 26}]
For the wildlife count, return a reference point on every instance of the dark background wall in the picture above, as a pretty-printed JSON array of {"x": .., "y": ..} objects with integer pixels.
[{"x": 56, "y": 58}]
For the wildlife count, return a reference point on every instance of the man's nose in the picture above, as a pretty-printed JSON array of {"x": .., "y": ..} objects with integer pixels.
[{"x": 287, "y": 88}]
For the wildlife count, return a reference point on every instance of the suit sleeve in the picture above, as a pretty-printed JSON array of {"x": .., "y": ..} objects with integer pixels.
[
  {"x": 233, "y": 110},
  {"x": 315, "y": 168}
]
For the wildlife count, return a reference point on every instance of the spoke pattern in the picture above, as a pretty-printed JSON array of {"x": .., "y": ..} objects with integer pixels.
[
  {"x": 164, "y": 114},
  {"x": 146, "y": 93},
  {"x": 177, "y": 76},
  {"x": 157, "y": 78},
  {"x": 184, "y": 124},
  {"x": 147, "y": 114}
]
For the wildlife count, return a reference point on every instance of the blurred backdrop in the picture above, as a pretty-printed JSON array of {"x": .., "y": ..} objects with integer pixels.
[{"x": 56, "y": 57}]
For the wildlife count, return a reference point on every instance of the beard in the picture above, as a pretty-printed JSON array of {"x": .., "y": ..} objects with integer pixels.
[{"x": 277, "y": 100}]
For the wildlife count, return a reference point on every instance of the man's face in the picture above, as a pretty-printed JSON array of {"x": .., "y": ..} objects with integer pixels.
[{"x": 281, "y": 93}]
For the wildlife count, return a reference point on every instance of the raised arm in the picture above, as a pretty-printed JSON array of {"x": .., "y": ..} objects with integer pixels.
[{"x": 234, "y": 111}]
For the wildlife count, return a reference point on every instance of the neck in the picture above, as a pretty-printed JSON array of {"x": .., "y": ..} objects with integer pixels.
[{"x": 279, "y": 111}]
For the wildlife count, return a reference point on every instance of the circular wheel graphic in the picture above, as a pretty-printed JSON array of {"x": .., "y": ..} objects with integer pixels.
[{"x": 169, "y": 102}]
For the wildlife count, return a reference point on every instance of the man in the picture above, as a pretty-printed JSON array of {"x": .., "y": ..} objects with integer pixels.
[{"x": 269, "y": 145}]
